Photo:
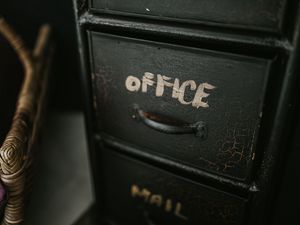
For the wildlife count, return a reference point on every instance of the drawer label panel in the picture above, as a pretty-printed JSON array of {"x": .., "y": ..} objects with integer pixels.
[
  {"x": 135, "y": 193},
  {"x": 264, "y": 15},
  {"x": 166, "y": 204},
  {"x": 198, "y": 107},
  {"x": 134, "y": 84}
]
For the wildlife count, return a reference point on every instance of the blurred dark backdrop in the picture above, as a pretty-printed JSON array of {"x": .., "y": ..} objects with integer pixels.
[
  {"x": 62, "y": 188},
  {"x": 26, "y": 17}
]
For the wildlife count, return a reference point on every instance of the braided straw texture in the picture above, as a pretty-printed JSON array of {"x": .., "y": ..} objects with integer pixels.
[{"x": 17, "y": 151}]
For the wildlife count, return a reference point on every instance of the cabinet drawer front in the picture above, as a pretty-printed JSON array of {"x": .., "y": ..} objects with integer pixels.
[
  {"x": 249, "y": 14},
  {"x": 137, "y": 194},
  {"x": 144, "y": 92}
]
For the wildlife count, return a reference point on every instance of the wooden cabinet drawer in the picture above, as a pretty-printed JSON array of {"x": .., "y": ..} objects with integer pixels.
[
  {"x": 249, "y": 14},
  {"x": 198, "y": 107},
  {"x": 134, "y": 193}
]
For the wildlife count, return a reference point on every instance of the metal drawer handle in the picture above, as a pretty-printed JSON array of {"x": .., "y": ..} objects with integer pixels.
[{"x": 170, "y": 126}]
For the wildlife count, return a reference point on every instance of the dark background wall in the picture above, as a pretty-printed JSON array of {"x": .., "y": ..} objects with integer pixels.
[{"x": 26, "y": 17}]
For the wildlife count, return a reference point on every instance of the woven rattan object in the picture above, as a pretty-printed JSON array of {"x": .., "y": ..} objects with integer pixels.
[{"x": 17, "y": 152}]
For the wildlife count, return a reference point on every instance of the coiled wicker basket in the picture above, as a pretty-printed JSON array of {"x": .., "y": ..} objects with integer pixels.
[{"x": 18, "y": 149}]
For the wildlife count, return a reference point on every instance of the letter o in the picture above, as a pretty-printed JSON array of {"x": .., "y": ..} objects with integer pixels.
[{"x": 132, "y": 83}]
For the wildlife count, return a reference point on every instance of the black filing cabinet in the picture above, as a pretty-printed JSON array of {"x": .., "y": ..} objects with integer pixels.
[{"x": 189, "y": 105}]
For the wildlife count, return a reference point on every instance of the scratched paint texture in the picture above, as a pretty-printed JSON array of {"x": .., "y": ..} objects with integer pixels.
[
  {"x": 233, "y": 115},
  {"x": 199, "y": 204},
  {"x": 249, "y": 14}
]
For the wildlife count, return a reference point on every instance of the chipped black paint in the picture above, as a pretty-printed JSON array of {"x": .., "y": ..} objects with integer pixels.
[
  {"x": 279, "y": 41},
  {"x": 199, "y": 204},
  {"x": 255, "y": 14},
  {"x": 232, "y": 117}
]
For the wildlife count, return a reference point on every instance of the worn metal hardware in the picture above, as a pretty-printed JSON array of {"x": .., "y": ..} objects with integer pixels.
[{"x": 169, "y": 125}]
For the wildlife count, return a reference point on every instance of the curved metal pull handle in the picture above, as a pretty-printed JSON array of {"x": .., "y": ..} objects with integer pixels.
[{"x": 170, "y": 126}]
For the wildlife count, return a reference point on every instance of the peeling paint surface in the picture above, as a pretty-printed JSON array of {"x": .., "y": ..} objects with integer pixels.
[{"x": 232, "y": 118}]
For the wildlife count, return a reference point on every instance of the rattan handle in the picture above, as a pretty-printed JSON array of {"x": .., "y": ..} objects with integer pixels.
[{"x": 15, "y": 152}]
